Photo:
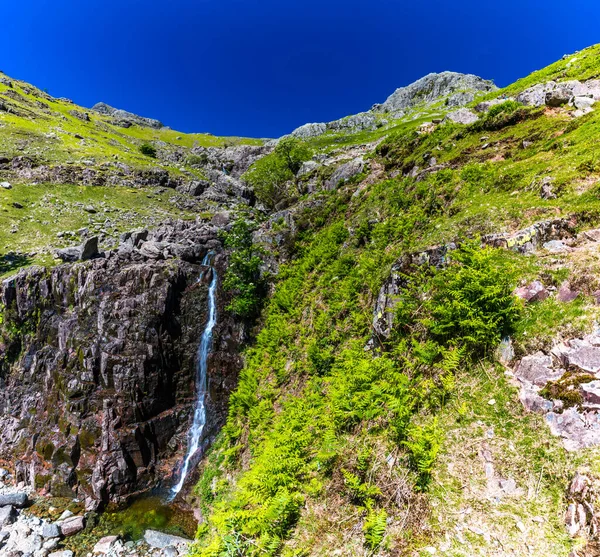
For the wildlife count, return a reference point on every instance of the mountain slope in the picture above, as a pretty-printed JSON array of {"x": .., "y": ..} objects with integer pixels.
[{"x": 420, "y": 444}]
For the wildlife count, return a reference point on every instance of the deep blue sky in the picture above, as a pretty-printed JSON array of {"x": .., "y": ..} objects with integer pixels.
[{"x": 262, "y": 67}]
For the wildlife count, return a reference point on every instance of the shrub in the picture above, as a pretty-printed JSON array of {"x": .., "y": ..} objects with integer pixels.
[
  {"x": 472, "y": 304},
  {"x": 148, "y": 150},
  {"x": 243, "y": 278},
  {"x": 270, "y": 175}
]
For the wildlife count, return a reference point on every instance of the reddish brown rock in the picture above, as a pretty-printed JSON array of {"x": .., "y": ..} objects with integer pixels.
[
  {"x": 534, "y": 292},
  {"x": 566, "y": 294}
]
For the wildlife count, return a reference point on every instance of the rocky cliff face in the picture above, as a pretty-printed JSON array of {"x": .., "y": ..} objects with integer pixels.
[
  {"x": 97, "y": 365},
  {"x": 459, "y": 89}
]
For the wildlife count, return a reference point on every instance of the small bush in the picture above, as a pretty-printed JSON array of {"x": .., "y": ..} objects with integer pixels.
[
  {"x": 148, "y": 150},
  {"x": 243, "y": 278}
]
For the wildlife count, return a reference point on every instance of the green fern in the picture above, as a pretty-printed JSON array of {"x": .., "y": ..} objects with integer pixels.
[{"x": 374, "y": 528}]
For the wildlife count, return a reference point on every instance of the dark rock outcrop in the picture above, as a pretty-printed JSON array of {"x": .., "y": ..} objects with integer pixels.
[{"x": 98, "y": 365}]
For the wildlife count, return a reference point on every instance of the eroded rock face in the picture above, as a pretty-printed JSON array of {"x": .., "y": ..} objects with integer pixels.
[
  {"x": 97, "y": 365},
  {"x": 434, "y": 86},
  {"x": 565, "y": 386}
]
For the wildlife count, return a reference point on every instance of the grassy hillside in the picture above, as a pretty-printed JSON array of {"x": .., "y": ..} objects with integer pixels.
[
  {"x": 332, "y": 449},
  {"x": 36, "y": 217}
]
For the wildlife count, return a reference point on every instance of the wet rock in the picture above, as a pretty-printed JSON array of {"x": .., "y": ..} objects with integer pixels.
[
  {"x": 72, "y": 526},
  {"x": 533, "y": 292},
  {"x": 17, "y": 500}
]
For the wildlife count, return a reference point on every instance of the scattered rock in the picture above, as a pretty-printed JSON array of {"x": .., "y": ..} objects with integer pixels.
[
  {"x": 7, "y": 515},
  {"x": 546, "y": 190},
  {"x": 565, "y": 294},
  {"x": 72, "y": 526},
  {"x": 50, "y": 530},
  {"x": 534, "y": 292},
  {"x": 106, "y": 544},
  {"x": 462, "y": 116},
  {"x": 558, "y": 97},
  {"x": 159, "y": 540},
  {"x": 17, "y": 500}
]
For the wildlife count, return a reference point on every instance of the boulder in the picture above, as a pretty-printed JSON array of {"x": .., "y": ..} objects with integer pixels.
[
  {"x": 50, "y": 530},
  {"x": 105, "y": 544},
  {"x": 534, "y": 292},
  {"x": 7, "y": 515},
  {"x": 158, "y": 540},
  {"x": 591, "y": 392},
  {"x": 89, "y": 249},
  {"x": 537, "y": 369},
  {"x": 17, "y": 500},
  {"x": 486, "y": 105},
  {"x": 558, "y": 97},
  {"x": 556, "y": 246},
  {"x": 583, "y": 356},
  {"x": 345, "y": 172},
  {"x": 536, "y": 95},
  {"x": 462, "y": 116},
  {"x": 63, "y": 553},
  {"x": 583, "y": 103},
  {"x": 72, "y": 526},
  {"x": 5, "y": 185},
  {"x": 566, "y": 294}
]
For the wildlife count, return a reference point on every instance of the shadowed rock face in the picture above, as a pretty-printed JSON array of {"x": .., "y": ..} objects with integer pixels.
[{"x": 97, "y": 366}]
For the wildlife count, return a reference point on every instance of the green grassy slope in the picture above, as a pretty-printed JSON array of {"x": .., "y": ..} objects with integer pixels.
[
  {"x": 49, "y": 132},
  {"x": 334, "y": 450}
]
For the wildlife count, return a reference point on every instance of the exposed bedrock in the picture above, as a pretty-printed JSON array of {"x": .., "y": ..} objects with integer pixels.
[{"x": 98, "y": 365}]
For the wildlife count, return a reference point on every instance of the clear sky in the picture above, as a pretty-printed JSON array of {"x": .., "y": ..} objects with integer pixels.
[{"x": 263, "y": 67}]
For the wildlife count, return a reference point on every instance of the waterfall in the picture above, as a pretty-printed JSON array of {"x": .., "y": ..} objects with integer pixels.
[{"x": 195, "y": 433}]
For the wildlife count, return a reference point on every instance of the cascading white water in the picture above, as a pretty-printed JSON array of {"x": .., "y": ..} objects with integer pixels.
[{"x": 195, "y": 433}]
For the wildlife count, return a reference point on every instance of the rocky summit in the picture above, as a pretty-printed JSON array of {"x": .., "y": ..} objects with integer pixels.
[{"x": 373, "y": 336}]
